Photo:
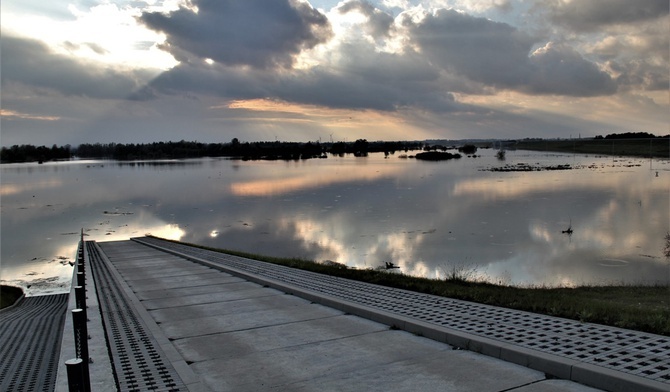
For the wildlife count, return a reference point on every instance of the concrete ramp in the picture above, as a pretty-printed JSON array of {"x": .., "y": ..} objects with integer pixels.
[{"x": 213, "y": 331}]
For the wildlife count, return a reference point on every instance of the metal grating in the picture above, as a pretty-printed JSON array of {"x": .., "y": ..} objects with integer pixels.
[
  {"x": 30, "y": 336},
  {"x": 139, "y": 363},
  {"x": 626, "y": 351}
]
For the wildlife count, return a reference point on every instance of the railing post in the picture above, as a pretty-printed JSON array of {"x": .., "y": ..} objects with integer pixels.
[
  {"x": 81, "y": 279},
  {"x": 81, "y": 267},
  {"x": 81, "y": 341},
  {"x": 75, "y": 375},
  {"x": 80, "y": 299}
]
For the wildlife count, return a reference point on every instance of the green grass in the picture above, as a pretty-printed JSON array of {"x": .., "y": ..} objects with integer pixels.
[
  {"x": 9, "y": 295},
  {"x": 641, "y": 308}
]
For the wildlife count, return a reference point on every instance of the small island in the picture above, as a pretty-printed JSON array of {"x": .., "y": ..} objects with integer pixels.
[{"x": 436, "y": 156}]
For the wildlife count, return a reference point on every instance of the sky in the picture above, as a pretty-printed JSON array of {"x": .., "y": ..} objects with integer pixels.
[{"x": 133, "y": 71}]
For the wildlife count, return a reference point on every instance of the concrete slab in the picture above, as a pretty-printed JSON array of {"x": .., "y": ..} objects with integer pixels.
[
  {"x": 379, "y": 361},
  {"x": 240, "y": 306},
  {"x": 251, "y": 290},
  {"x": 159, "y": 273},
  {"x": 268, "y": 338},
  {"x": 162, "y": 269},
  {"x": 191, "y": 290},
  {"x": 162, "y": 284},
  {"x": 555, "y": 386},
  {"x": 236, "y": 322},
  {"x": 174, "y": 279}
]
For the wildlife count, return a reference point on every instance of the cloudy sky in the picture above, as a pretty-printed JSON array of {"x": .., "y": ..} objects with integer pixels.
[{"x": 85, "y": 71}]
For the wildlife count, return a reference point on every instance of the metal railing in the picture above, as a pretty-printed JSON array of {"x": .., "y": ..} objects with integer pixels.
[{"x": 78, "y": 376}]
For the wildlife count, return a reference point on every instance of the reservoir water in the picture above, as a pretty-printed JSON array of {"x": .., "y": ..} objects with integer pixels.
[{"x": 429, "y": 218}]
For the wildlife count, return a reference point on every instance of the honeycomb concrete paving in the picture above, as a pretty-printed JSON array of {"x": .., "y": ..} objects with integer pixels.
[{"x": 30, "y": 334}]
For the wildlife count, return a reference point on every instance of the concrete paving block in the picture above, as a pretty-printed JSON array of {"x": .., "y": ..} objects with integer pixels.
[
  {"x": 553, "y": 365},
  {"x": 190, "y": 277},
  {"x": 614, "y": 381},
  {"x": 552, "y": 385},
  {"x": 390, "y": 360},
  {"x": 161, "y": 284},
  {"x": 470, "y": 342},
  {"x": 240, "y": 306},
  {"x": 446, "y": 371},
  {"x": 159, "y": 266},
  {"x": 191, "y": 290},
  {"x": 230, "y": 345},
  {"x": 251, "y": 291},
  {"x": 426, "y": 330},
  {"x": 159, "y": 273},
  {"x": 235, "y": 322}
]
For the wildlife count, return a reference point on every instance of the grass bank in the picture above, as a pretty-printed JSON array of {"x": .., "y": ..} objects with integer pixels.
[
  {"x": 9, "y": 295},
  {"x": 641, "y": 308},
  {"x": 646, "y": 148}
]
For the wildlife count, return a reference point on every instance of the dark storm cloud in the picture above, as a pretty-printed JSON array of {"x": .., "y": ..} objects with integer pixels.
[
  {"x": 561, "y": 70},
  {"x": 365, "y": 79},
  {"x": 257, "y": 33},
  {"x": 483, "y": 50},
  {"x": 30, "y": 63},
  {"x": 498, "y": 55},
  {"x": 590, "y": 15}
]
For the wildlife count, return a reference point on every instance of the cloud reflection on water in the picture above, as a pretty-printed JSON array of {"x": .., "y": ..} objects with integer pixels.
[{"x": 427, "y": 218}]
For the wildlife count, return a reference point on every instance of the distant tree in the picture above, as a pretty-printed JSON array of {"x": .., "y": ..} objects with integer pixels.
[
  {"x": 468, "y": 149},
  {"x": 361, "y": 148},
  {"x": 631, "y": 135}
]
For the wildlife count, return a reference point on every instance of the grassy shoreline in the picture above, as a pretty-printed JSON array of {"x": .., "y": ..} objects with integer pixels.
[
  {"x": 644, "y": 148},
  {"x": 641, "y": 308},
  {"x": 9, "y": 295}
]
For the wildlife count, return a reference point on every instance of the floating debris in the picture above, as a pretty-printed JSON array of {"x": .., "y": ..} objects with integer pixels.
[
  {"x": 117, "y": 213},
  {"x": 524, "y": 167}
]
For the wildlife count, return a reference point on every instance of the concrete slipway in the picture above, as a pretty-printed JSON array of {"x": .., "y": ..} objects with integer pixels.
[{"x": 178, "y": 323}]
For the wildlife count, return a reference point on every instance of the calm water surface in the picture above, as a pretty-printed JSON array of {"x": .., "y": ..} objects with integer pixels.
[{"x": 428, "y": 218}]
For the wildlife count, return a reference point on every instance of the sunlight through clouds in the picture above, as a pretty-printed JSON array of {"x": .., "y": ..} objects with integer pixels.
[
  {"x": 378, "y": 69},
  {"x": 107, "y": 33}
]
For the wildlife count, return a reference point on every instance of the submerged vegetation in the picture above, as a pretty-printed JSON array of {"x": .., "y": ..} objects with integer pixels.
[{"x": 642, "y": 308}]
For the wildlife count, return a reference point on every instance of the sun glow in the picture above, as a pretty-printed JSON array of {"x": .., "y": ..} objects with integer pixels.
[{"x": 106, "y": 33}]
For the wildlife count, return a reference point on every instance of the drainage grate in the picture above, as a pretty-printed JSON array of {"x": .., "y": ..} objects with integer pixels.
[
  {"x": 630, "y": 352},
  {"x": 30, "y": 336},
  {"x": 139, "y": 364}
]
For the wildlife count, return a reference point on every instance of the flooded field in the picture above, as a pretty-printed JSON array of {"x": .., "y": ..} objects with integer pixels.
[{"x": 532, "y": 219}]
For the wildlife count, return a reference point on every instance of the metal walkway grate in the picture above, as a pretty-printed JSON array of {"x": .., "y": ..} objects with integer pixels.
[
  {"x": 30, "y": 335},
  {"x": 139, "y": 363},
  {"x": 629, "y": 352}
]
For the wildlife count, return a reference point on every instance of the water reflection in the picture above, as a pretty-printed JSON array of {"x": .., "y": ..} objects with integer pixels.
[{"x": 428, "y": 218}]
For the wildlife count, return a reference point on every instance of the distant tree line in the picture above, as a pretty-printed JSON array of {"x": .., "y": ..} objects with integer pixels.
[
  {"x": 632, "y": 135},
  {"x": 191, "y": 149},
  {"x": 30, "y": 153}
]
